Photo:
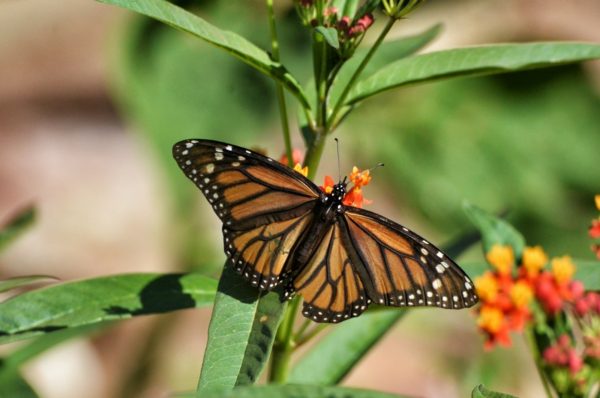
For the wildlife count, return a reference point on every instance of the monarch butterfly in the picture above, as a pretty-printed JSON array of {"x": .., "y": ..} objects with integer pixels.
[{"x": 279, "y": 228}]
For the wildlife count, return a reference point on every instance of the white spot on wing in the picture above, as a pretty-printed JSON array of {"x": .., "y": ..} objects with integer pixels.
[
  {"x": 228, "y": 147},
  {"x": 436, "y": 284},
  {"x": 210, "y": 168}
]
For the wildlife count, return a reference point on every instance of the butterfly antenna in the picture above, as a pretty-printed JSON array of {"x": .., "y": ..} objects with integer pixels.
[
  {"x": 337, "y": 146},
  {"x": 378, "y": 165}
]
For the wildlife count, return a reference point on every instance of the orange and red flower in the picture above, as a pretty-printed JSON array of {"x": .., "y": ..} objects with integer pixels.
[{"x": 354, "y": 196}]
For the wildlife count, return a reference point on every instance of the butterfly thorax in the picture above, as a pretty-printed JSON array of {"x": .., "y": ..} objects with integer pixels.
[
  {"x": 331, "y": 203},
  {"x": 325, "y": 214}
]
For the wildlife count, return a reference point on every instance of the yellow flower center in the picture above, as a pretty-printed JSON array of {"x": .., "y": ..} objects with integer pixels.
[
  {"x": 563, "y": 269},
  {"x": 490, "y": 319},
  {"x": 502, "y": 258},
  {"x": 534, "y": 259},
  {"x": 521, "y": 294},
  {"x": 487, "y": 286}
]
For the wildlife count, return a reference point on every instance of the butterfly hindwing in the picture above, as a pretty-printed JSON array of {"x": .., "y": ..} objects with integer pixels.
[
  {"x": 329, "y": 284},
  {"x": 400, "y": 268},
  {"x": 261, "y": 253},
  {"x": 265, "y": 207}
]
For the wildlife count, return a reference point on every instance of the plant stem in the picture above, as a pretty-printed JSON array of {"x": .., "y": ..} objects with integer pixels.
[
  {"x": 279, "y": 87},
  {"x": 340, "y": 103},
  {"x": 284, "y": 345},
  {"x": 537, "y": 359},
  {"x": 314, "y": 152}
]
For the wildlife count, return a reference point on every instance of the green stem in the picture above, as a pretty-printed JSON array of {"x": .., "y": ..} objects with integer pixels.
[
  {"x": 284, "y": 345},
  {"x": 279, "y": 87},
  {"x": 537, "y": 358},
  {"x": 332, "y": 123},
  {"x": 314, "y": 152}
]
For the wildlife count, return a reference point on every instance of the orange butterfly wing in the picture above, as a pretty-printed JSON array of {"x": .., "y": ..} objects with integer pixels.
[
  {"x": 329, "y": 284},
  {"x": 400, "y": 268},
  {"x": 265, "y": 207}
]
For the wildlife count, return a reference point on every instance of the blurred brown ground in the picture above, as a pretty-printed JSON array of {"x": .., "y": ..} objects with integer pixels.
[{"x": 103, "y": 208}]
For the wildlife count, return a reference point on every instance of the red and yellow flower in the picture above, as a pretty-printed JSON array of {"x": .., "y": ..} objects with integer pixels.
[{"x": 354, "y": 196}]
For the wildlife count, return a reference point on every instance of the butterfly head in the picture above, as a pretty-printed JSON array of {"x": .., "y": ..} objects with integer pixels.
[{"x": 339, "y": 191}]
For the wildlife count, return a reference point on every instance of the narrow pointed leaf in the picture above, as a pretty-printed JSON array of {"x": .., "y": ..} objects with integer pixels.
[
  {"x": 330, "y": 35},
  {"x": 290, "y": 391},
  {"x": 494, "y": 230},
  {"x": 330, "y": 360},
  {"x": 481, "y": 392},
  {"x": 240, "y": 334},
  {"x": 472, "y": 61},
  {"x": 22, "y": 281},
  {"x": 101, "y": 299},
  {"x": 16, "y": 225},
  {"x": 229, "y": 41},
  {"x": 389, "y": 51}
]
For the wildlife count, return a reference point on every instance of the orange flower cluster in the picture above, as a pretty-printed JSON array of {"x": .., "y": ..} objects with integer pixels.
[
  {"x": 354, "y": 196},
  {"x": 506, "y": 292},
  {"x": 505, "y": 300},
  {"x": 594, "y": 230}
]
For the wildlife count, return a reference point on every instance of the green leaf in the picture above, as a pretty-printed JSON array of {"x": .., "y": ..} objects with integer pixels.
[
  {"x": 330, "y": 360},
  {"x": 589, "y": 273},
  {"x": 17, "y": 387},
  {"x": 101, "y": 299},
  {"x": 472, "y": 61},
  {"x": 481, "y": 392},
  {"x": 389, "y": 51},
  {"x": 290, "y": 391},
  {"x": 330, "y": 35},
  {"x": 240, "y": 335},
  {"x": 21, "y": 281},
  {"x": 231, "y": 42},
  {"x": 494, "y": 230},
  {"x": 16, "y": 225}
]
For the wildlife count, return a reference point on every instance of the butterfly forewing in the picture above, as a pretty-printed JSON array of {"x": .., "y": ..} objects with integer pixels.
[
  {"x": 403, "y": 269},
  {"x": 329, "y": 284},
  {"x": 265, "y": 207}
]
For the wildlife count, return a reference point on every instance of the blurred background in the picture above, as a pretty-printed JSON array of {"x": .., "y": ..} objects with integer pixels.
[{"x": 92, "y": 99}]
